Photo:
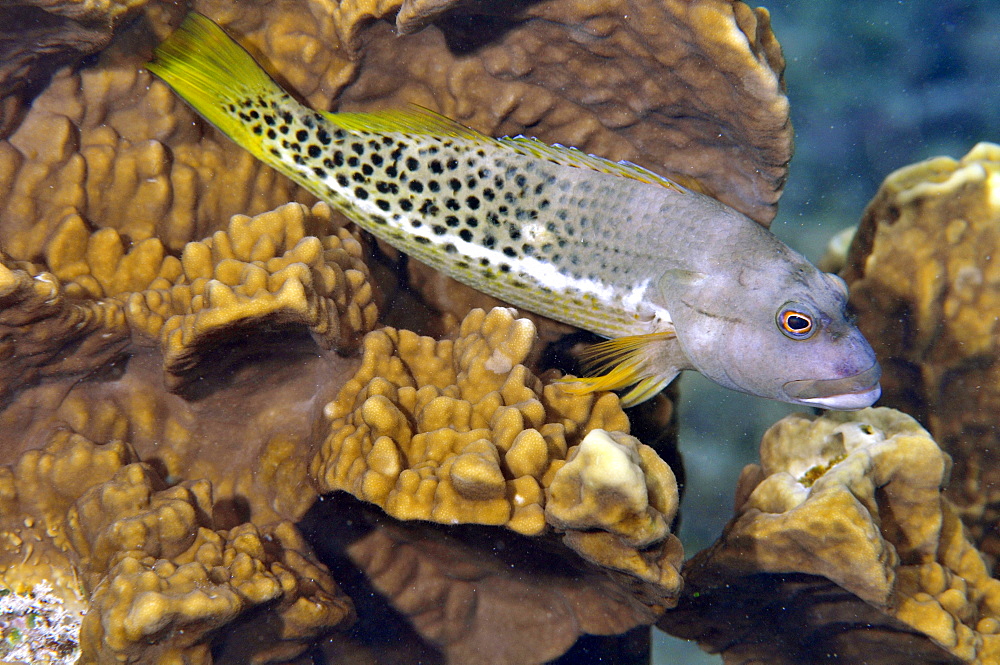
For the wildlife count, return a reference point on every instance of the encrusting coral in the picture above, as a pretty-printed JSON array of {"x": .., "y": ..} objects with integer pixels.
[
  {"x": 461, "y": 432},
  {"x": 855, "y": 498},
  {"x": 926, "y": 289},
  {"x": 168, "y": 372},
  {"x": 158, "y": 576}
]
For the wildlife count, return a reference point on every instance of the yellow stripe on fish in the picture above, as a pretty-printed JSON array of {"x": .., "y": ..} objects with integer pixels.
[{"x": 575, "y": 237}]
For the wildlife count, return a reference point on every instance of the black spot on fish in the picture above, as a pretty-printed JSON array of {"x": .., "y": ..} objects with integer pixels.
[
  {"x": 386, "y": 140},
  {"x": 422, "y": 240},
  {"x": 353, "y": 161},
  {"x": 361, "y": 193},
  {"x": 455, "y": 184},
  {"x": 338, "y": 158},
  {"x": 340, "y": 134},
  {"x": 484, "y": 262},
  {"x": 275, "y": 152},
  {"x": 269, "y": 120},
  {"x": 258, "y": 130},
  {"x": 297, "y": 158},
  {"x": 367, "y": 169},
  {"x": 509, "y": 198},
  {"x": 232, "y": 108},
  {"x": 428, "y": 208},
  {"x": 436, "y": 167},
  {"x": 314, "y": 151},
  {"x": 509, "y": 251},
  {"x": 301, "y": 136},
  {"x": 489, "y": 194},
  {"x": 416, "y": 223},
  {"x": 484, "y": 173},
  {"x": 412, "y": 163},
  {"x": 438, "y": 230},
  {"x": 520, "y": 181},
  {"x": 391, "y": 171},
  {"x": 451, "y": 221},
  {"x": 382, "y": 186},
  {"x": 271, "y": 134},
  {"x": 434, "y": 185},
  {"x": 382, "y": 204},
  {"x": 504, "y": 267},
  {"x": 450, "y": 249},
  {"x": 498, "y": 182},
  {"x": 377, "y": 159},
  {"x": 286, "y": 117},
  {"x": 551, "y": 227},
  {"x": 513, "y": 232},
  {"x": 406, "y": 205},
  {"x": 489, "y": 241},
  {"x": 539, "y": 188},
  {"x": 283, "y": 129},
  {"x": 328, "y": 163},
  {"x": 373, "y": 144},
  {"x": 451, "y": 204},
  {"x": 543, "y": 204},
  {"x": 254, "y": 114},
  {"x": 323, "y": 136},
  {"x": 472, "y": 222},
  {"x": 472, "y": 202},
  {"x": 471, "y": 182},
  {"x": 562, "y": 214},
  {"x": 466, "y": 235},
  {"x": 358, "y": 148},
  {"x": 527, "y": 249},
  {"x": 358, "y": 177},
  {"x": 342, "y": 180},
  {"x": 416, "y": 186},
  {"x": 320, "y": 173}
]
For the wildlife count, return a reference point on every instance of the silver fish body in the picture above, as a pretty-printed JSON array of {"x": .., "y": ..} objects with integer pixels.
[{"x": 676, "y": 279}]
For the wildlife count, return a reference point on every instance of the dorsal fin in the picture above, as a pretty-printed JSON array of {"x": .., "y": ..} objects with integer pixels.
[
  {"x": 560, "y": 154},
  {"x": 422, "y": 121},
  {"x": 412, "y": 120}
]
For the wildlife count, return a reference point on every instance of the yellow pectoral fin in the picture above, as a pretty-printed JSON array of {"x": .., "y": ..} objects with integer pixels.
[{"x": 626, "y": 361}]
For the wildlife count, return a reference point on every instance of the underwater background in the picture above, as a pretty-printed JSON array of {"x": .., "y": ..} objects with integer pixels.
[
  {"x": 235, "y": 450},
  {"x": 872, "y": 87}
]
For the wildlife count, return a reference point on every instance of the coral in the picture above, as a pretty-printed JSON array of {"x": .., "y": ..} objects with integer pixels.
[
  {"x": 158, "y": 576},
  {"x": 856, "y": 499},
  {"x": 162, "y": 580},
  {"x": 461, "y": 432},
  {"x": 45, "y": 336},
  {"x": 924, "y": 284},
  {"x": 167, "y": 364},
  {"x": 465, "y": 589},
  {"x": 265, "y": 268}
]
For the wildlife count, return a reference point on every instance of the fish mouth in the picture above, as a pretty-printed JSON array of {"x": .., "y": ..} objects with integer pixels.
[{"x": 846, "y": 394}]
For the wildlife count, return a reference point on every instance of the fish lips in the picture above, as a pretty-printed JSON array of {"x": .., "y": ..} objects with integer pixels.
[{"x": 845, "y": 394}]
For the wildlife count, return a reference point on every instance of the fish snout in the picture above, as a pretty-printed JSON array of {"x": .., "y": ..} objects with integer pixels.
[{"x": 847, "y": 393}]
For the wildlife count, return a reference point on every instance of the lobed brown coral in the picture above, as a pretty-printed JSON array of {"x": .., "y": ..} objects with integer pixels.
[
  {"x": 461, "y": 432},
  {"x": 925, "y": 288},
  {"x": 140, "y": 326},
  {"x": 855, "y": 498}
]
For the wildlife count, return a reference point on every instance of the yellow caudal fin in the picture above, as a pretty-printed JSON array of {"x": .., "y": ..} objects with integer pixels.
[
  {"x": 639, "y": 360},
  {"x": 215, "y": 75}
]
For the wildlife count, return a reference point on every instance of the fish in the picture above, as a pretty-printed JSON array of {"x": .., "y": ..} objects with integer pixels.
[{"x": 674, "y": 279}]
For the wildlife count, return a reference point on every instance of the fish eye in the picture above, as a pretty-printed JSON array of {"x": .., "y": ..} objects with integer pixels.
[{"x": 795, "y": 324}]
